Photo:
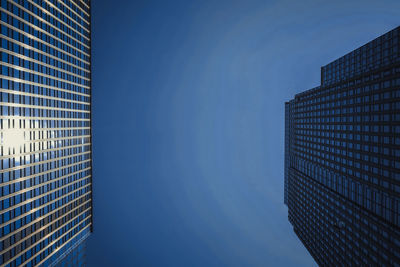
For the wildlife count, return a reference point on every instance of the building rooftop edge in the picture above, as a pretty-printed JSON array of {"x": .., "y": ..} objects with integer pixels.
[
  {"x": 360, "y": 47},
  {"x": 308, "y": 91}
]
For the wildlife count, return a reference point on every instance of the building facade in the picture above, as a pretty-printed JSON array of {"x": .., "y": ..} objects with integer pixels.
[
  {"x": 342, "y": 159},
  {"x": 45, "y": 132}
]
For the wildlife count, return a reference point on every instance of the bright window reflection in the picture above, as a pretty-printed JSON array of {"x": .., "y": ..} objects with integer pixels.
[{"x": 12, "y": 138}]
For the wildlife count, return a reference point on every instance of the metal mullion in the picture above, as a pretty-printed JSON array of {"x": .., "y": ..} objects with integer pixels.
[
  {"x": 83, "y": 2},
  {"x": 41, "y": 30},
  {"x": 339, "y": 172},
  {"x": 45, "y": 204},
  {"x": 73, "y": 11},
  {"x": 21, "y": 179},
  {"x": 321, "y": 189},
  {"x": 9, "y": 91},
  {"x": 42, "y": 151},
  {"x": 23, "y": 154},
  {"x": 59, "y": 20},
  {"x": 83, "y": 10},
  {"x": 48, "y": 23},
  {"x": 57, "y": 249},
  {"x": 30, "y": 200},
  {"x": 68, "y": 217},
  {"x": 51, "y": 25},
  {"x": 42, "y": 162},
  {"x": 51, "y": 129},
  {"x": 42, "y": 118},
  {"x": 342, "y": 197},
  {"x": 33, "y": 256},
  {"x": 25, "y": 226},
  {"x": 16, "y": 105},
  {"x": 361, "y": 161},
  {"x": 57, "y": 138},
  {"x": 19, "y": 192},
  {"x": 42, "y": 85},
  {"x": 28, "y": 47},
  {"x": 43, "y": 63},
  {"x": 42, "y": 74},
  {"x": 45, "y": 226},
  {"x": 46, "y": 43}
]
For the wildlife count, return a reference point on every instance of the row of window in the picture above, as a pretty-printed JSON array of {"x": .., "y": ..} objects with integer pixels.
[
  {"x": 36, "y": 168},
  {"x": 24, "y": 23},
  {"x": 364, "y": 84},
  {"x": 12, "y": 36},
  {"x": 16, "y": 75},
  {"x": 373, "y": 55},
  {"x": 336, "y": 225},
  {"x": 9, "y": 161},
  {"x": 43, "y": 124},
  {"x": 71, "y": 253},
  {"x": 46, "y": 242},
  {"x": 44, "y": 193},
  {"x": 17, "y": 63},
  {"x": 45, "y": 180},
  {"x": 26, "y": 180},
  {"x": 45, "y": 205},
  {"x": 73, "y": 26},
  {"x": 27, "y": 112},
  {"x": 359, "y": 192},
  {"x": 40, "y": 223}
]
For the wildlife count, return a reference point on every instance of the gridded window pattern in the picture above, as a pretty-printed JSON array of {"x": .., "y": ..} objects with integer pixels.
[
  {"x": 45, "y": 129},
  {"x": 342, "y": 160},
  {"x": 287, "y": 149},
  {"x": 381, "y": 52},
  {"x": 74, "y": 256},
  {"x": 338, "y": 232}
]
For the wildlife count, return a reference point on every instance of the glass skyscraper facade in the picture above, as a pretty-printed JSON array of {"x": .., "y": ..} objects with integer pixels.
[
  {"x": 45, "y": 132},
  {"x": 342, "y": 159}
]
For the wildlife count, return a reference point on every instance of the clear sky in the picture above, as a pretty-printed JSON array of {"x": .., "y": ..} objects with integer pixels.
[{"x": 188, "y": 120}]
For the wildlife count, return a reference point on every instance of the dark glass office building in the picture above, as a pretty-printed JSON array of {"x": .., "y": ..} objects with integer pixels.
[
  {"x": 342, "y": 159},
  {"x": 45, "y": 132}
]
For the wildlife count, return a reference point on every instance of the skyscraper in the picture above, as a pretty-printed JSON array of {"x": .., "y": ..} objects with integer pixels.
[
  {"x": 342, "y": 159},
  {"x": 45, "y": 131}
]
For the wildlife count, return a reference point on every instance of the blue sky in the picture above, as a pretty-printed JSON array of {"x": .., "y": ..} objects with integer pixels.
[{"x": 188, "y": 120}]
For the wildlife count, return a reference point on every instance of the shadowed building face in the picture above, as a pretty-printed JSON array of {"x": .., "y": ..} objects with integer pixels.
[{"x": 342, "y": 168}]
